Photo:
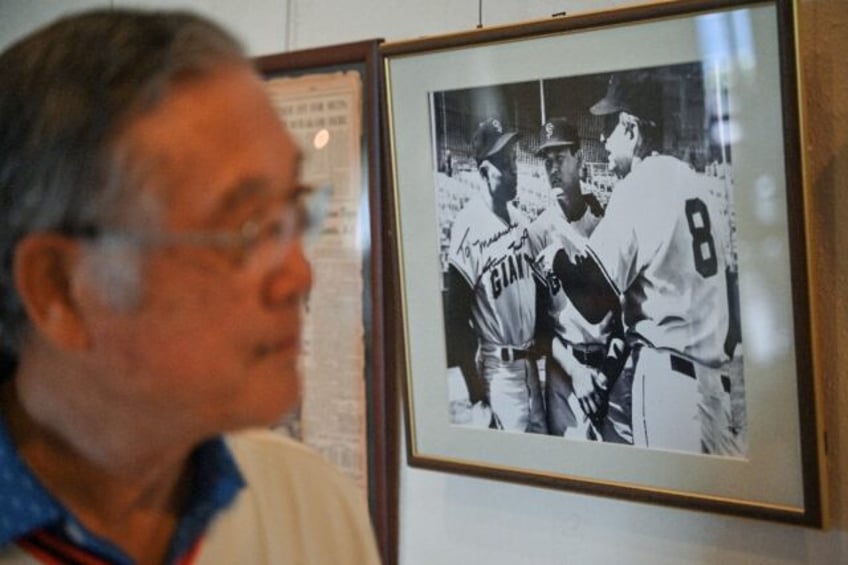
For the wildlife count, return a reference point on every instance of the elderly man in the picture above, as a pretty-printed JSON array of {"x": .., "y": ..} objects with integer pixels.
[{"x": 151, "y": 284}]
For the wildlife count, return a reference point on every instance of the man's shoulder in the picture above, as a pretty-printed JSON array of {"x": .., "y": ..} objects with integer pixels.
[
  {"x": 546, "y": 222},
  {"x": 473, "y": 210},
  {"x": 470, "y": 217},
  {"x": 316, "y": 513},
  {"x": 658, "y": 167},
  {"x": 548, "y": 215},
  {"x": 656, "y": 178},
  {"x": 275, "y": 465},
  {"x": 256, "y": 449}
]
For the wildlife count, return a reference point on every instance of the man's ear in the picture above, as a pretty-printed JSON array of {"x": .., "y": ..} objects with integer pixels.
[{"x": 43, "y": 269}]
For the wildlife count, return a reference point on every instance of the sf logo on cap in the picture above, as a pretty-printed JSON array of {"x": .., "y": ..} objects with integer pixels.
[
  {"x": 496, "y": 125},
  {"x": 549, "y": 130}
]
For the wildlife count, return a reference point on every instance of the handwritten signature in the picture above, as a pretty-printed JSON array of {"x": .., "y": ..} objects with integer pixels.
[{"x": 480, "y": 245}]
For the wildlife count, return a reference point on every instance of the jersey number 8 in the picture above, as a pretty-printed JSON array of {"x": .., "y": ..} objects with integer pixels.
[{"x": 703, "y": 246}]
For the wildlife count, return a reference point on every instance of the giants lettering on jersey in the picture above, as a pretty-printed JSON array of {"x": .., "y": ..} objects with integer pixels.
[
  {"x": 502, "y": 270},
  {"x": 507, "y": 270}
]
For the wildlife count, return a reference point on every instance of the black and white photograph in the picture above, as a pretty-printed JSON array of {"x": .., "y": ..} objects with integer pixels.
[
  {"x": 587, "y": 246},
  {"x": 601, "y": 259}
]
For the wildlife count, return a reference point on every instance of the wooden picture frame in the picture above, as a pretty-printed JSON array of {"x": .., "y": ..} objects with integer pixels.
[
  {"x": 724, "y": 110},
  {"x": 315, "y": 65}
]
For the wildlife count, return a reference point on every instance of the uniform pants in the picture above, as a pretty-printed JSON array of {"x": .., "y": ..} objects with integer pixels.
[
  {"x": 566, "y": 418},
  {"x": 515, "y": 394},
  {"x": 563, "y": 412},
  {"x": 679, "y": 404}
]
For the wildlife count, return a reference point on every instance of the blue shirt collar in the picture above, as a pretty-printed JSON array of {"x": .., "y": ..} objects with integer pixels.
[{"x": 26, "y": 506}]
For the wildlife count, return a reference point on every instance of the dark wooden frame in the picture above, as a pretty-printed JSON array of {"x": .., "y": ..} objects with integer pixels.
[
  {"x": 811, "y": 435},
  {"x": 380, "y": 394}
]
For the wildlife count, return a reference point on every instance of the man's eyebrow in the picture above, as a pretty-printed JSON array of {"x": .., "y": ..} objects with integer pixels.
[
  {"x": 249, "y": 188},
  {"x": 244, "y": 190}
]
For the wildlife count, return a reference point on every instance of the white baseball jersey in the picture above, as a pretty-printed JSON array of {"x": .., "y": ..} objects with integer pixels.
[
  {"x": 553, "y": 228},
  {"x": 663, "y": 244},
  {"x": 495, "y": 259}
]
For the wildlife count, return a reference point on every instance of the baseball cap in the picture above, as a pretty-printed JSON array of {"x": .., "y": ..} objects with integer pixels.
[
  {"x": 636, "y": 93},
  {"x": 490, "y": 138},
  {"x": 557, "y": 132}
]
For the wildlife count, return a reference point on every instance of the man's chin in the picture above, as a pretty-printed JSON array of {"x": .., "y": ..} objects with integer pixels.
[
  {"x": 274, "y": 398},
  {"x": 269, "y": 414}
]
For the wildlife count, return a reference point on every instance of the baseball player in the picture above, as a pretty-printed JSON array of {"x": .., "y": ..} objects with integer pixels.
[
  {"x": 576, "y": 389},
  {"x": 490, "y": 295},
  {"x": 662, "y": 249}
]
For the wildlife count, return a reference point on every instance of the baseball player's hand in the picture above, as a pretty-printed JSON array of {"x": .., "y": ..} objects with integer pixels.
[
  {"x": 590, "y": 385},
  {"x": 478, "y": 391},
  {"x": 591, "y": 397},
  {"x": 482, "y": 416},
  {"x": 602, "y": 387}
]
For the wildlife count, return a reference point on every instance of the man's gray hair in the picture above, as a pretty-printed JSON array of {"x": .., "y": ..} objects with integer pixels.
[{"x": 67, "y": 93}]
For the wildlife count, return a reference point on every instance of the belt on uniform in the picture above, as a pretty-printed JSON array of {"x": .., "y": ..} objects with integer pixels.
[
  {"x": 591, "y": 356},
  {"x": 512, "y": 354},
  {"x": 682, "y": 366},
  {"x": 507, "y": 354}
]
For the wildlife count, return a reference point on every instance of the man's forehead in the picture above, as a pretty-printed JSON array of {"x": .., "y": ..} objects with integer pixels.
[
  {"x": 250, "y": 188},
  {"x": 243, "y": 190},
  {"x": 216, "y": 199},
  {"x": 216, "y": 142}
]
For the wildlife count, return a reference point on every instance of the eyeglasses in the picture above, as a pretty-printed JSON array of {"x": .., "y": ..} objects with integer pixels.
[{"x": 299, "y": 220}]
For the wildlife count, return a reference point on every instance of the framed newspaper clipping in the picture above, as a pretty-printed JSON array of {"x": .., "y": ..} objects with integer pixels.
[
  {"x": 601, "y": 256},
  {"x": 329, "y": 98}
]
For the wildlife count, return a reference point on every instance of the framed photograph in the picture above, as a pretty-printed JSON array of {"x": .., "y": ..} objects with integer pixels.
[
  {"x": 329, "y": 98},
  {"x": 600, "y": 246}
]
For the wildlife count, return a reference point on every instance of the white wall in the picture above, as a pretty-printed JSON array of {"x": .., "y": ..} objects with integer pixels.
[{"x": 450, "y": 519}]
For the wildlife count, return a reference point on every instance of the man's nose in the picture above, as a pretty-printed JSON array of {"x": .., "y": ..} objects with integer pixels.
[{"x": 288, "y": 279}]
